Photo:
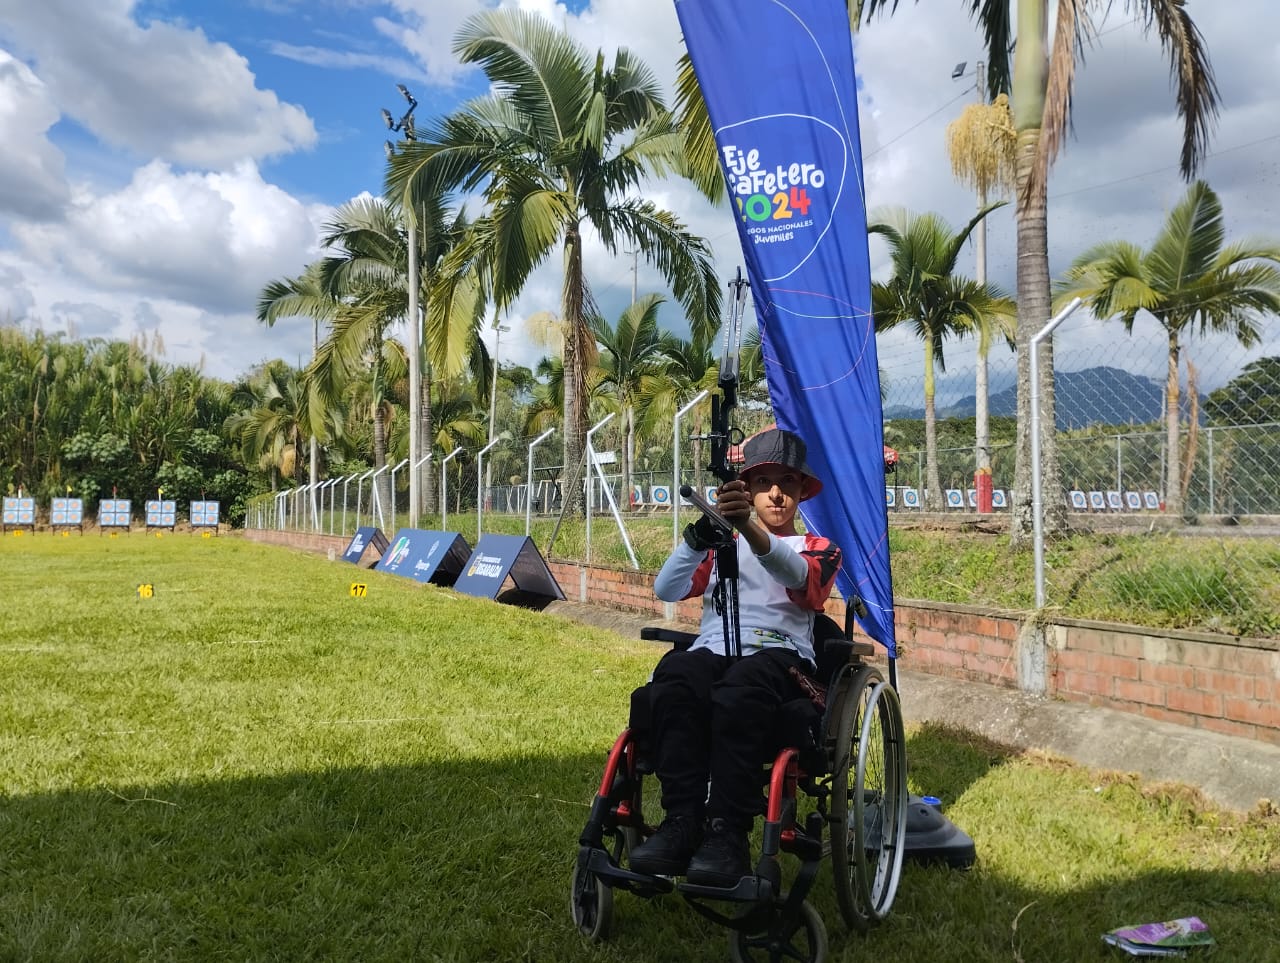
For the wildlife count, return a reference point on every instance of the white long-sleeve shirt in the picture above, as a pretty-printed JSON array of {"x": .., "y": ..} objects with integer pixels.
[{"x": 778, "y": 592}]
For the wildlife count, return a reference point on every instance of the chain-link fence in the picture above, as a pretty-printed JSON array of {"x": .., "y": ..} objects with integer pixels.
[{"x": 1185, "y": 507}]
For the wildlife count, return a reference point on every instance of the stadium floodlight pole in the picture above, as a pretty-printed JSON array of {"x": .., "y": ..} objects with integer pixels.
[
  {"x": 479, "y": 487},
  {"x": 405, "y": 126},
  {"x": 528, "y": 484},
  {"x": 675, "y": 469},
  {"x": 1037, "y": 493},
  {"x": 444, "y": 486},
  {"x": 590, "y": 455}
]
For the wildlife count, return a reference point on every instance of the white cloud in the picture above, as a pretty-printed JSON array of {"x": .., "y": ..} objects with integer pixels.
[
  {"x": 159, "y": 89},
  {"x": 210, "y": 240},
  {"x": 32, "y": 183}
]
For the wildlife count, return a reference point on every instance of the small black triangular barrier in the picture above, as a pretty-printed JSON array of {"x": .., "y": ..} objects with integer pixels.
[
  {"x": 426, "y": 556},
  {"x": 365, "y": 538},
  {"x": 496, "y": 557}
]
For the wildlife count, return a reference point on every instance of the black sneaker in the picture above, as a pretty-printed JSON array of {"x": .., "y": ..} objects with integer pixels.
[
  {"x": 723, "y": 858},
  {"x": 667, "y": 851}
]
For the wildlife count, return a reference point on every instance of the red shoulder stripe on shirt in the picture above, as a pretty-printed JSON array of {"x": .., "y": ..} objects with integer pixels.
[{"x": 823, "y": 558}]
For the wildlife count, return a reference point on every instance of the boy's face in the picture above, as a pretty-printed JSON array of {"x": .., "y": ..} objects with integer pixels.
[{"x": 775, "y": 493}]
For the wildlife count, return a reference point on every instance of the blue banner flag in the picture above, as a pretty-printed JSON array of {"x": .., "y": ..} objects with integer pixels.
[{"x": 778, "y": 80}]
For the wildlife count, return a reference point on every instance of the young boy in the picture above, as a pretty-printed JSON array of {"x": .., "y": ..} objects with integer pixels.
[{"x": 712, "y": 716}]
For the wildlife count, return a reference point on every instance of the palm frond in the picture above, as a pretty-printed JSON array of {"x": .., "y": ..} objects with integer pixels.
[{"x": 1197, "y": 90}]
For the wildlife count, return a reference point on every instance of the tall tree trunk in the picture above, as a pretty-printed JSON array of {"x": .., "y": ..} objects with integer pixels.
[
  {"x": 933, "y": 479},
  {"x": 380, "y": 459},
  {"x": 1173, "y": 484},
  {"x": 981, "y": 387},
  {"x": 1030, "y": 77},
  {"x": 426, "y": 436},
  {"x": 628, "y": 455},
  {"x": 575, "y": 375}
]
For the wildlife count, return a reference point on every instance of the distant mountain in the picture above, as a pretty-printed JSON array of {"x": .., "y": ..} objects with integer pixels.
[{"x": 1094, "y": 396}]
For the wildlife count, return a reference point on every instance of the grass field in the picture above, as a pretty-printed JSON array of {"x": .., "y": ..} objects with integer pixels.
[{"x": 252, "y": 764}]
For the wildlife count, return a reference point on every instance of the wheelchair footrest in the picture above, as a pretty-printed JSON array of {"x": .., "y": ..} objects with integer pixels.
[
  {"x": 611, "y": 874},
  {"x": 749, "y": 889}
]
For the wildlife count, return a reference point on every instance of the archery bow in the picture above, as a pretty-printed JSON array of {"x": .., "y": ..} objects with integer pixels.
[{"x": 722, "y": 436}]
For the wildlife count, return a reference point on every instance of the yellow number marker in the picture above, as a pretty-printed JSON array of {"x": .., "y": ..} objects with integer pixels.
[
  {"x": 359, "y": 590},
  {"x": 146, "y": 590},
  {"x": 206, "y": 534}
]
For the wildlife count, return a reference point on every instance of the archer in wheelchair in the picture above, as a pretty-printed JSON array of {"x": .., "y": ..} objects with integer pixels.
[{"x": 769, "y": 692}]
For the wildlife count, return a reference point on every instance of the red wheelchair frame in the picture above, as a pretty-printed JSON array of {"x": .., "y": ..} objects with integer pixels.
[{"x": 850, "y": 759}]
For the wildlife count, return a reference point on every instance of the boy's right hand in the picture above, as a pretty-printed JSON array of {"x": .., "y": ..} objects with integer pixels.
[{"x": 733, "y": 501}]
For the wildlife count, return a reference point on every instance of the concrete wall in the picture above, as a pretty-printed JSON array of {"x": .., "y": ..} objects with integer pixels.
[{"x": 1197, "y": 679}]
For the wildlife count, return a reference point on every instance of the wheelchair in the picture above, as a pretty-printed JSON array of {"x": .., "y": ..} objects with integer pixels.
[{"x": 843, "y": 764}]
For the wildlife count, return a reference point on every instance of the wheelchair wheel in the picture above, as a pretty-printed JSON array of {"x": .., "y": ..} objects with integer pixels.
[
  {"x": 868, "y": 799},
  {"x": 590, "y": 901},
  {"x": 804, "y": 940}
]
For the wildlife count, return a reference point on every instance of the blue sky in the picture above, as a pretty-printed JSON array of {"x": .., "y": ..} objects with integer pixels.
[{"x": 165, "y": 159}]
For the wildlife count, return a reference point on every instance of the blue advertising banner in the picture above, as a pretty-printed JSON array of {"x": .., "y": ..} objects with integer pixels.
[
  {"x": 496, "y": 557},
  {"x": 426, "y": 556},
  {"x": 778, "y": 79},
  {"x": 366, "y": 537}
]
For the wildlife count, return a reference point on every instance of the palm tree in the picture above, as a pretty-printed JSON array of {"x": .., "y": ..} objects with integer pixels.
[
  {"x": 1191, "y": 282},
  {"x": 925, "y": 292},
  {"x": 1041, "y": 86},
  {"x": 556, "y": 148},
  {"x": 982, "y": 145},
  {"x": 360, "y": 291},
  {"x": 687, "y": 367},
  {"x": 273, "y": 421},
  {"x": 630, "y": 357}
]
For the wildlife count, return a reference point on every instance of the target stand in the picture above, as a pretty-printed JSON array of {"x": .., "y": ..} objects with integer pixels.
[
  {"x": 204, "y": 515},
  {"x": 67, "y": 513},
  {"x": 114, "y": 514},
  {"x": 18, "y": 514},
  {"x": 161, "y": 514}
]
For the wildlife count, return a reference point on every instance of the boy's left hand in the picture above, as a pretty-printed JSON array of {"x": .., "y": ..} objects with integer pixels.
[{"x": 733, "y": 501}]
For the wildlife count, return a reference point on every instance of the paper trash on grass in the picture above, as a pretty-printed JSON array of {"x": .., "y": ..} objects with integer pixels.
[{"x": 1172, "y": 938}]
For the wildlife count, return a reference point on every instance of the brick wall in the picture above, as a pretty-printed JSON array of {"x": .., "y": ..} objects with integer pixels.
[{"x": 1196, "y": 679}]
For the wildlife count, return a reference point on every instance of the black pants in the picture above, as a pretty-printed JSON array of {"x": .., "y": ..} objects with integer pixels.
[{"x": 714, "y": 719}]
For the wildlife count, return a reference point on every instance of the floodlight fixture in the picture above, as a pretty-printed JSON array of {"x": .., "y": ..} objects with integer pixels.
[
  {"x": 388, "y": 119},
  {"x": 958, "y": 72},
  {"x": 390, "y": 148}
]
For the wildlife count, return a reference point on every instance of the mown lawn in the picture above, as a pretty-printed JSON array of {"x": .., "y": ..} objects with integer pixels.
[{"x": 252, "y": 764}]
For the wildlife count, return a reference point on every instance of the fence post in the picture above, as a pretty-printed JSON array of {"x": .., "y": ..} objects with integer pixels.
[
  {"x": 528, "y": 494},
  {"x": 589, "y": 457},
  {"x": 480, "y": 486},
  {"x": 375, "y": 500},
  {"x": 1032, "y": 668},
  {"x": 444, "y": 487}
]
